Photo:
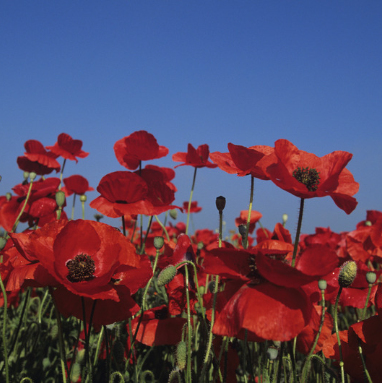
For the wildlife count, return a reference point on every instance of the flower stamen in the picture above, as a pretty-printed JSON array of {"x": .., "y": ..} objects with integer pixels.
[
  {"x": 81, "y": 268},
  {"x": 307, "y": 176}
]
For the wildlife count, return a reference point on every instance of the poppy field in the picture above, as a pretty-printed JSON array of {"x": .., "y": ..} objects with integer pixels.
[{"x": 86, "y": 301}]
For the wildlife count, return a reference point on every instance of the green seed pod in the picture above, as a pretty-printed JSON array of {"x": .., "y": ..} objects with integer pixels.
[
  {"x": 181, "y": 355},
  {"x": 371, "y": 277},
  {"x": 200, "y": 245},
  {"x": 211, "y": 287},
  {"x": 83, "y": 198},
  {"x": 368, "y": 223},
  {"x": 158, "y": 242},
  {"x": 347, "y": 274},
  {"x": 75, "y": 373},
  {"x": 46, "y": 363},
  {"x": 32, "y": 176},
  {"x": 80, "y": 356},
  {"x": 166, "y": 275},
  {"x": 173, "y": 213},
  {"x": 285, "y": 218},
  {"x": 26, "y": 175},
  {"x": 60, "y": 198},
  {"x": 322, "y": 284},
  {"x": 8, "y": 196}
]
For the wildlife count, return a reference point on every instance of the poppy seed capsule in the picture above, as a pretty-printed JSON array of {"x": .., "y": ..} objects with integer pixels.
[
  {"x": 181, "y": 355},
  {"x": 347, "y": 274},
  {"x": 220, "y": 203},
  {"x": 371, "y": 277},
  {"x": 173, "y": 213},
  {"x": 25, "y": 175},
  {"x": 322, "y": 284},
  {"x": 60, "y": 198},
  {"x": 32, "y": 176},
  {"x": 272, "y": 353},
  {"x": 158, "y": 242},
  {"x": 83, "y": 198},
  {"x": 166, "y": 275},
  {"x": 8, "y": 196}
]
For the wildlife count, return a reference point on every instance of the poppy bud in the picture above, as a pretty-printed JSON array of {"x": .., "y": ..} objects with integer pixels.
[
  {"x": 80, "y": 358},
  {"x": 322, "y": 284},
  {"x": 347, "y": 274},
  {"x": 83, "y": 198},
  {"x": 3, "y": 242},
  {"x": 173, "y": 213},
  {"x": 371, "y": 277},
  {"x": 158, "y": 242},
  {"x": 60, "y": 198},
  {"x": 75, "y": 373},
  {"x": 166, "y": 275},
  {"x": 8, "y": 196},
  {"x": 175, "y": 376},
  {"x": 32, "y": 176},
  {"x": 242, "y": 230},
  {"x": 181, "y": 355},
  {"x": 54, "y": 332},
  {"x": 272, "y": 353},
  {"x": 220, "y": 203}
]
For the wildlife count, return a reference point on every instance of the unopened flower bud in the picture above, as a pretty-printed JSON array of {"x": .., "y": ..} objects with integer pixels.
[
  {"x": 181, "y": 355},
  {"x": 118, "y": 351},
  {"x": 175, "y": 376},
  {"x": 76, "y": 372},
  {"x": 173, "y": 213},
  {"x": 158, "y": 242},
  {"x": 371, "y": 277},
  {"x": 347, "y": 274},
  {"x": 322, "y": 284},
  {"x": 32, "y": 176},
  {"x": 220, "y": 203},
  {"x": 272, "y": 353},
  {"x": 242, "y": 230},
  {"x": 166, "y": 275},
  {"x": 60, "y": 198},
  {"x": 83, "y": 198}
]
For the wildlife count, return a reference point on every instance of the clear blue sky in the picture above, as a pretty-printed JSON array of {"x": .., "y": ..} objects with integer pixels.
[{"x": 212, "y": 71}]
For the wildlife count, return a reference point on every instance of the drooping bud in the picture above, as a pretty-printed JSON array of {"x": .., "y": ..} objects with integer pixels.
[
  {"x": 166, "y": 275},
  {"x": 181, "y": 355},
  {"x": 220, "y": 203},
  {"x": 347, "y": 274},
  {"x": 322, "y": 284},
  {"x": 158, "y": 242},
  {"x": 175, "y": 376},
  {"x": 371, "y": 277},
  {"x": 173, "y": 213},
  {"x": 60, "y": 198}
]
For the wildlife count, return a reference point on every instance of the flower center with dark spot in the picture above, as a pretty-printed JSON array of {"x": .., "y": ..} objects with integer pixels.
[
  {"x": 309, "y": 177},
  {"x": 81, "y": 268}
]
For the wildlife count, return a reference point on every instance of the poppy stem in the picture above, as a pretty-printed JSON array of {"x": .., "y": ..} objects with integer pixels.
[
  {"x": 162, "y": 225},
  {"x": 61, "y": 173},
  {"x": 299, "y": 224},
  {"x": 189, "y": 328},
  {"x": 335, "y": 317},
  {"x": 189, "y": 201},
  {"x": 245, "y": 244},
  {"x": 4, "y": 331},
  {"x": 74, "y": 202}
]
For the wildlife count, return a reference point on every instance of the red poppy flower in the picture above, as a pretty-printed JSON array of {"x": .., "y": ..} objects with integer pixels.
[
  {"x": 139, "y": 146},
  {"x": 306, "y": 175},
  {"x": 82, "y": 255},
  {"x": 37, "y": 159},
  {"x": 194, "y": 207},
  {"x": 243, "y": 161},
  {"x": 158, "y": 328},
  {"x": 197, "y": 158},
  {"x": 76, "y": 184},
  {"x": 270, "y": 303},
  {"x": 9, "y": 210},
  {"x": 68, "y": 148}
]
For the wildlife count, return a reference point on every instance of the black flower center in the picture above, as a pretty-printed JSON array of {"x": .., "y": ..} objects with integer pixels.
[
  {"x": 309, "y": 177},
  {"x": 81, "y": 268}
]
